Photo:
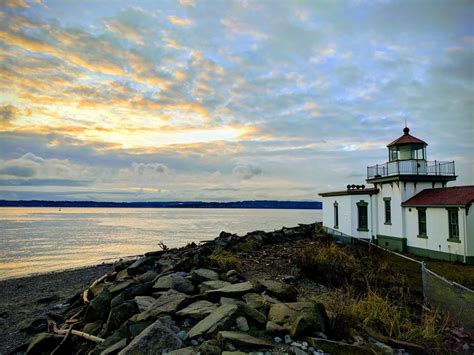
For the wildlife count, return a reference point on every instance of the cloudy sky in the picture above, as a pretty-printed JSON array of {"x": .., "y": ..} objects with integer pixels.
[{"x": 226, "y": 100}]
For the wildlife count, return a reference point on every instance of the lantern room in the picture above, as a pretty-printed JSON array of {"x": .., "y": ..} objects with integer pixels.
[{"x": 407, "y": 147}]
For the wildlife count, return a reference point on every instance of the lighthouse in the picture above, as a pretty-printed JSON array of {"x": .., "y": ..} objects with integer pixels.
[{"x": 407, "y": 205}]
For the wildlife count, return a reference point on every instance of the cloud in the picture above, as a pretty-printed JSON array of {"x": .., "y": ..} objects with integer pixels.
[
  {"x": 179, "y": 21},
  {"x": 149, "y": 168},
  {"x": 8, "y": 113},
  {"x": 247, "y": 171}
]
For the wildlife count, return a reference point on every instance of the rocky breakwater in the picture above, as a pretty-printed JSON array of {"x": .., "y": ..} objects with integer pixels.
[{"x": 188, "y": 301}]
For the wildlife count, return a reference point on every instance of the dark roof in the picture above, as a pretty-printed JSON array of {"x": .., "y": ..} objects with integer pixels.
[
  {"x": 445, "y": 196},
  {"x": 368, "y": 191},
  {"x": 406, "y": 139}
]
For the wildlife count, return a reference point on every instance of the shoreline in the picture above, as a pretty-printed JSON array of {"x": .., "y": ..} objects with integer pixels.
[{"x": 31, "y": 298}]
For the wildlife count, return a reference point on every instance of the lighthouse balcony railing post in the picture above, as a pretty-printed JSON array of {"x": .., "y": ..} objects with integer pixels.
[{"x": 412, "y": 167}]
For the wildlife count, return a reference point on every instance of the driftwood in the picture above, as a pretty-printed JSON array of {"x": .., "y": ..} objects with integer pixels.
[
  {"x": 85, "y": 294},
  {"x": 52, "y": 327}
]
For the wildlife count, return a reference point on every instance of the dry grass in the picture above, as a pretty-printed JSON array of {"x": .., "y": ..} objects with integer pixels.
[{"x": 225, "y": 259}]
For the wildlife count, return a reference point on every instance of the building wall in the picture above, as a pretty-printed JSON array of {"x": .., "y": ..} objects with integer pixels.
[
  {"x": 436, "y": 244},
  {"x": 348, "y": 217}
]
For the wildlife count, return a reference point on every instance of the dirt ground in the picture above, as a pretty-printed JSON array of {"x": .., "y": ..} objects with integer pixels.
[{"x": 24, "y": 300}]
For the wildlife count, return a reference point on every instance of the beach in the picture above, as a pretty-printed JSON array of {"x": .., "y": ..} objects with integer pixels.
[{"x": 28, "y": 299}]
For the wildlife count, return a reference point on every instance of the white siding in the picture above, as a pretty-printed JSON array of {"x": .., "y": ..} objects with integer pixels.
[{"x": 437, "y": 230}]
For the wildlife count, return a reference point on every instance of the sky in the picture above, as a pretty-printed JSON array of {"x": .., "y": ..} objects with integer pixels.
[{"x": 226, "y": 100}]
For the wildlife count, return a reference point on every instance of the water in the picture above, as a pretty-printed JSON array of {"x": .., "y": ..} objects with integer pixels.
[{"x": 34, "y": 240}]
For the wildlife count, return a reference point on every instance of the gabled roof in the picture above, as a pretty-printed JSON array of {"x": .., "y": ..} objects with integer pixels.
[
  {"x": 406, "y": 139},
  {"x": 445, "y": 196}
]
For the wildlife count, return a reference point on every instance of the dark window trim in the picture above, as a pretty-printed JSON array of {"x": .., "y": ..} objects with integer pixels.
[
  {"x": 362, "y": 227},
  {"x": 336, "y": 215},
  {"x": 388, "y": 221},
  {"x": 453, "y": 234},
  {"x": 421, "y": 234}
]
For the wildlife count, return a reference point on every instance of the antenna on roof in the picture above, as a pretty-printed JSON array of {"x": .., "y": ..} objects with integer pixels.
[{"x": 405, "y": 122}]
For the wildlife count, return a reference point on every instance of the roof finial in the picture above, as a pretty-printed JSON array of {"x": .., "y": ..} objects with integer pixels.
[{"x": 406, "y": 129}]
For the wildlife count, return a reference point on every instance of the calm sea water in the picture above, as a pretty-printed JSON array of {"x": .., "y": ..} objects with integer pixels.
[{"x": 34, "y": 240}]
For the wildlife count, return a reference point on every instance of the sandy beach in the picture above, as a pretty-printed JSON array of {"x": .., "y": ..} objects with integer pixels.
[{"x": 26, "y": 301}]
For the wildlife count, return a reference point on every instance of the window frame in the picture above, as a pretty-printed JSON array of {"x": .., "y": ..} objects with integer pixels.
[
  {"x": 388, "y": 202},
  {"x": 453, "y": 228},
  {"x": 362, "y": 227},
  {"x": 422, "y": 234},
  {"x": 336, "y": 215}
]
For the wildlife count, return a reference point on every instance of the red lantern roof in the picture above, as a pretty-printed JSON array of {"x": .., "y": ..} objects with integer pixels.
[{"x": 407, "y": 139}]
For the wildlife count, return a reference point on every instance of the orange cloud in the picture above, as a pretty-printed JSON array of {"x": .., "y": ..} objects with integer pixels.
[{"x": 179, "y": 21}]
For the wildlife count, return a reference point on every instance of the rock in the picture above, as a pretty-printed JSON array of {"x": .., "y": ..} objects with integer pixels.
[
  {"x": 198, "y": 310},
  {"x": 130, "y": 293},
  {"x": 122, "y": 275},
  {"x": 43, "y": 343},
  {"x": 143, "y": 302},
  {"x": 182, "y": 335},
  {"x": 200, "y": 275},
  {"x": 297, "y": 351},
  {"x": 339, "y": 348},
  {"x": 183, "y": 351},
  {"x": 118, "y": 315},
  {"x": 212, "y": 285},
  {"x": 233, "y": 291},
  {"x": 92, "y": 328},
  {"x": 242, "y": 324},
  {"x": 277, "y": 340},
  {"x": 155, "y": 339},
  {"x": 119, "y": 287},
  {"x": 210, "y": 348},
  {"x": 174, "y": 281},
  {"x": 252, "y": 312},
  {"x": 254, "y": 300},
  {"x": 148, "y": 276},
  {"x": 234, "y": 353},
  {"x": 139, "y": 266},
  {"x": 288, "y": 339},
  {"x": 227, "y": 300},
  {"x": 113, "y": 349},
  {"x": 234, "y": 277},
  {"x": 281, "y": 291},
  {"x": 243, "y": 340},
  {"x": 221, "y": 317},
  {"x": 298, "y": 316},
  {"x": 99, "y": 306},
  {"x": 167, "y": 303},
  {"x": 273, "y": 328}
]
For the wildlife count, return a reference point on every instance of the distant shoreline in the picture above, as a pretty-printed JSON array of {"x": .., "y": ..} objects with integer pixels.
[{"x": 263, "y": 204}]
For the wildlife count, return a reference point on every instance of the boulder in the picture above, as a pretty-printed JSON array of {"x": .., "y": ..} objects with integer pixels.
[
  {"x": 183, "y": 351},
  {"x": 220, "y": 318},
  {"x": 242, "y": 324},
  {"x": 167, "y": 303},
  {"x": 148, "y": 276},
  {"x": 175, "y": 282},
  {"x": 92, "y": 328},
  {"x": 212, "y": 285},
  {"x": 210, "y": 347},
  {"x": 232, "y": 291},
  {"x": 252, "y": 312},
  {"x": 275, "y": 329},
  {"x": 43, "y": 343},
  {"x": 298, "y": 316},
  {"x": 120, "y": 286},
  {"x": 198, "y": 310},
  {"x": 279, "y": 290},
  {"x": 140, "y": 265},
  {"x": 99, "y": 306},
  {"x": 143, "y": 302},
  {"x": 114, "y": 348},
  {"x": 155, "y": 339},
  {"x": 200, "y": 275},
  {"x": 339, "y": 348},
  {"x": 254, "y": 300},
  {"x": 243, "y": 340},
  {"x": 119, "y": 314}
]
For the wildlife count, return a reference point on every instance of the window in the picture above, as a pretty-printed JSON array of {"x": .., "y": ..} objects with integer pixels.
[
  {"x": 336, "y": 215},
  {"x": 362, "y": 216},
  {"x": 422, "y": 222},
  {"x": 453, "y": 224},
  {"x": 388, "y": 210}
]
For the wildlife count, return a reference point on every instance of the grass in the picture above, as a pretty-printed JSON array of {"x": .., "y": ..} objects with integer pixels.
[
  {"x": 225, "y": 259},
  {"x": 248, "y": 245}
]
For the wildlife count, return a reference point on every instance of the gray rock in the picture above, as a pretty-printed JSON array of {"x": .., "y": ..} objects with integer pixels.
[
  {"x": 113, "y": 349},
  {"x": 227, "y": 300},
  {"x": 288, "y": 339},
  {"x": 92, "y": 328},
  {"x": 200, "y": 275},
  {"x": 148, "y": 276},
  {"x": 210, "y": 347},
  {"x": 183, "y": 351},
  {"x": 118, "y": 315},
  {"x": 221, "y": 317},
  {"x": 278, "y": 340},
  {"x": 99, "y": 306},
  {"x": 252, "y": 312},
  {"x": 167, "y": 303},
  {"x": 279, "y": 290},
  {"x": 130, "y": 292},
  {"x": 174, "y": 281},
  {"x": 143, "y": 302},
  {"x": 243, "y": 340},
  {"x": 198, "y": 310},
  {"x": 298, "y": 316},
  {"x": 120, "y": 286},
  {"x": 273, "y": 328},
  {"x": 254, "y": 300},
  {"x": 234, "y": 290},
  {"x": 138, "y": 267},
  {"x": 212, "y": 285},
  {"x": 242, "y": 324},
  {"x": 155, "y": 339}
]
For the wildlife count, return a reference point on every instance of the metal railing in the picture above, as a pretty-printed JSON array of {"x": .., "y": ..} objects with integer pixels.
[{"x": 412, "y": 167}]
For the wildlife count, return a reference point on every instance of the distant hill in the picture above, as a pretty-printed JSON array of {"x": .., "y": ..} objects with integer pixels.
[{"x": 303, "y": 205}]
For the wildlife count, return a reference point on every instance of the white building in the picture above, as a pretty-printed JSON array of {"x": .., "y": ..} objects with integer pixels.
[{"x": 409, "y": 208}]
